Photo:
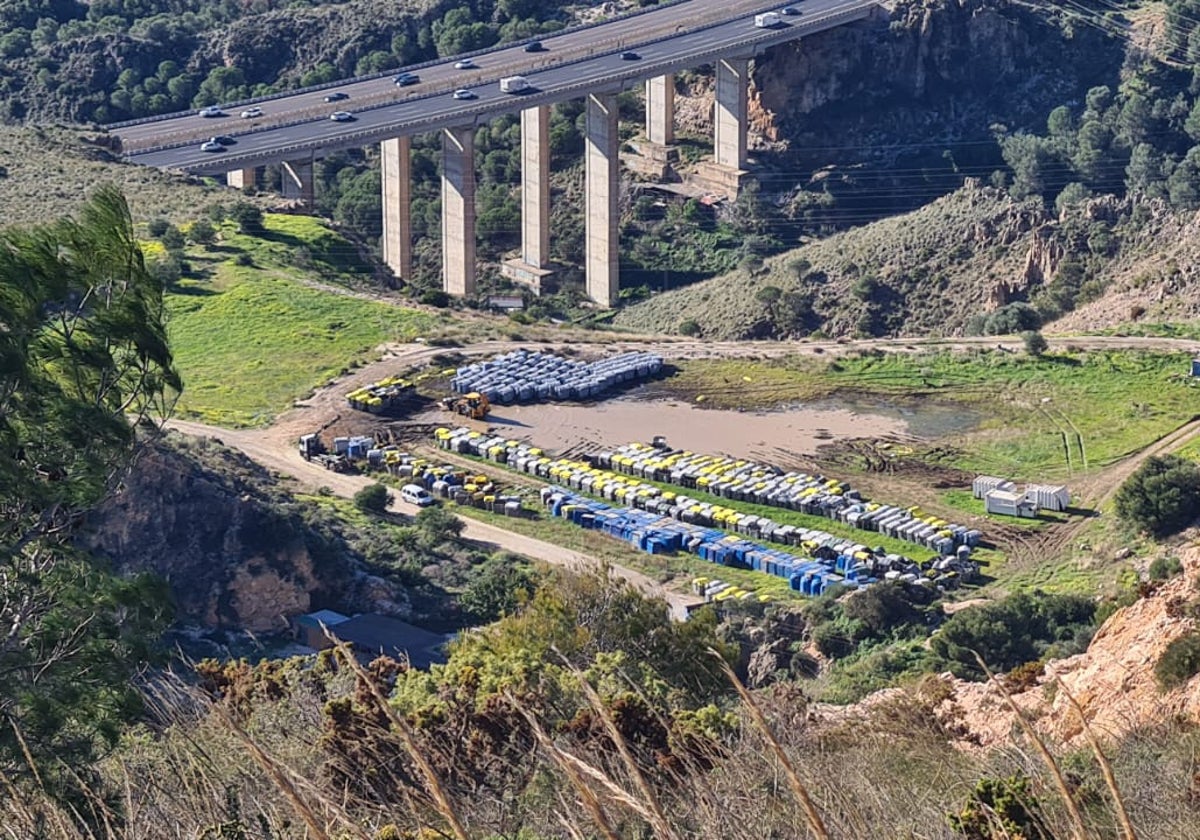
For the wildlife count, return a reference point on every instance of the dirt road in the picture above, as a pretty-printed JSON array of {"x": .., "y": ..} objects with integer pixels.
[{"x": 262, "y": 447}]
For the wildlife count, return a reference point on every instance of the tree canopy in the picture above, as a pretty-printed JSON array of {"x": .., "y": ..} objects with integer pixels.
[
  {"x": 84, "y": 362},
  {"x": 1162, "y": 496}
]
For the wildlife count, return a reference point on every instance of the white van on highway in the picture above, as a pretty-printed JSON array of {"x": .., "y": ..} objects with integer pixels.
[
  {"x": 417, "y": 495},
  {"x": 514, "y": 84}
]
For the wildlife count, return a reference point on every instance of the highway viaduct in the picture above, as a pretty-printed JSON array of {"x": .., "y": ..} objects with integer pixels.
[{"x": 593, "y": 62}]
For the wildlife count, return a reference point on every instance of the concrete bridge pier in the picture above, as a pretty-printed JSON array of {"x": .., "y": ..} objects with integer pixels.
[
  {"x": 298, "y": 181},
  {"x": 729, "y": 121},
  {"x": 602, "y": 166},
  {"x": 397, "y": 241},
  {"x": 724, "y": 174},
  {"x": 660, "y": 109},
  {"x": 458, "y": 211},
  {"x": 532, "y": 268},
  {"x": 242, "y": 178}
]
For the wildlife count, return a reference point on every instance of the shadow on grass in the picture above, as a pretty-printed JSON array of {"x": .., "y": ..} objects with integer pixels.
[{"x": 191, "y": 289}]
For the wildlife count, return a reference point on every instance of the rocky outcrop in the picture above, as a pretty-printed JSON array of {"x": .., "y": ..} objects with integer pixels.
[
  {"x": 927, "y": 70},
  {"x": 1113, "y": 681},
  {"x": 235, "y": 552},
  {"x": 1042, "y": 258}
]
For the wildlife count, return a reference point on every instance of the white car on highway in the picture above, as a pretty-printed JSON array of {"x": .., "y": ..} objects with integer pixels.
[
  {"x": 212, "y": 145},
  {"x": 250, "y": 113},
  {"x": 212, "y": 111},
  {"x": 341, "y": 116},
  {"x": 464, "y": 64},
  {"x": 463, "y": 93}
]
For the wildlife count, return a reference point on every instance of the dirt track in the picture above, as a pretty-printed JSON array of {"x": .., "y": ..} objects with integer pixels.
[{"x": 262, "y": 447}]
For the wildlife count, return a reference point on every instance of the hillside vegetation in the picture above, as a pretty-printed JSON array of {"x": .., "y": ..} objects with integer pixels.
[
  {"x": 259, "y": 320},
  {"x": 896, "y": 276},
  {"x": 46, "y": 171}
]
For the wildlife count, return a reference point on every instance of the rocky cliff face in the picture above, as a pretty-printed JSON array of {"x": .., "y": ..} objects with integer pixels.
[
  {"x": 1113, "y": 681},
  {"x": 925, "y": 71},
  {"x": 235, "y": 553}
]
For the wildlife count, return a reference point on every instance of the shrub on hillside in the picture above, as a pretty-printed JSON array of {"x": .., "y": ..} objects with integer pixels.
[
  {"x": 248, "y": 217},
  {"x": 1021, "y": 628},
  {"x": 1035, "y": 342},
  {"x": 1179, "y": 662},
  {"x": 1007, "y": 320},
  {"x": 1164, "y": 568},
  {"x": 1162, "y": 496},
  {"x": 172, "y": 238},
  {"x": 202, "y": 232},
  {"x": 497, "y": 588},
  {"x": 374, "y": 498},
  {"x": 881, "y": 609},
  {"x": 436, "y": 525},
  {"x": 689, "y": 328},
  {"x": 435, "y": 297}
]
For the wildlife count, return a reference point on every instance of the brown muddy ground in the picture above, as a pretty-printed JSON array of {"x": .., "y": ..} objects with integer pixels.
[{"x": 742, "y": 434}]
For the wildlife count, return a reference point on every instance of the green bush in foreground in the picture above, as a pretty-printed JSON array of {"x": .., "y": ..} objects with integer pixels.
[
  {"x": 1001, "y": 808},
  {"x": 1179, "y": 662},
  {"x": 374, "y": 498},
  {"x": 1021, "y": 628},
  {"x": 1162, "y": 497}
]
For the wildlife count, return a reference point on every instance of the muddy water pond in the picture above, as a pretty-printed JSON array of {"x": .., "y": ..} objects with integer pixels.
[
  {"x": 743, "y": 434},
  {"x": 923, "y": 419}
]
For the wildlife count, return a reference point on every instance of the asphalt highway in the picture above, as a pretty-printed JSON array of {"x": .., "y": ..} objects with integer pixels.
[{"x": 665, "y": 40}]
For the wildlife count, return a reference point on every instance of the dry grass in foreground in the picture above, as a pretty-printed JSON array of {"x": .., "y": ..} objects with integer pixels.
[{"x": 332, "y": 758}]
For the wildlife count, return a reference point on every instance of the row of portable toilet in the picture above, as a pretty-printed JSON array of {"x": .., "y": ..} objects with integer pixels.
[
  {"x": 729, "y": 477},
  {"x": 355, "y": 448},
  {"x": 584, "y": 478},
  {"x": 661, "y": 535},
  {"x": 743, "y": 480},
  {"x": 449, "y": 482},
  {"x": 379, "y": 397},
  {"x": 527, "y": 377},
  {"x": 715, "y": 590},
  {"x": 911, "y": 525},
  {"x": 501, "y": 450}
]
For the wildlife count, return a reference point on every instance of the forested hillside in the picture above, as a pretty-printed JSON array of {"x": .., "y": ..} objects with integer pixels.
[
  {"x": 1108, "y": 177},
  {"x": 114, "y": 60}
]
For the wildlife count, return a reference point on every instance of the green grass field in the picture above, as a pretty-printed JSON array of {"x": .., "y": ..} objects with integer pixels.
[{"x": 251, "y": 339}]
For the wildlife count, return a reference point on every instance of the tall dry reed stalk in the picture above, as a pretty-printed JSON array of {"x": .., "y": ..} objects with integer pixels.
[
  {"x": 437, "y": 791},
  {"x": 815, "y": 824},
  {"x": 1078, "y": 829}
]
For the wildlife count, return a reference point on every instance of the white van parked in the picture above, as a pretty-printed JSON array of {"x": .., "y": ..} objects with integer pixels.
[{"x": 417, "y": 495}]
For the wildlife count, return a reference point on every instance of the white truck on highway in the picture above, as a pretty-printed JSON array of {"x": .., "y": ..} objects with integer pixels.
[
  {"x": 766, "y": 20},
  {"x": 514, "y": 84}
]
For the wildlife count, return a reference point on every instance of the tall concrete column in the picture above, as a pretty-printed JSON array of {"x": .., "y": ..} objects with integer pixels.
[
  {"x": 458, "y": 211},
  {"x": 298, "y": 181},
  {"x": 535, "y": 186},
  {"x": 241, "y": 178},
  {"x": 602, "y": 166},
  {"x": 729, "y": 121},
  {"x": 660, "y": 109},
  {"x": 396, "y": 163}
]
